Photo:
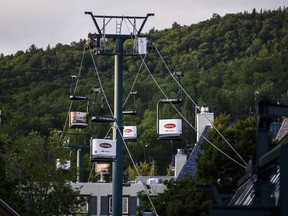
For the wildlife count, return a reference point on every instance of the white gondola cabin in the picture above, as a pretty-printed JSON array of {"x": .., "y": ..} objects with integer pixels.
[
  {"x": 102, "y": 150},
  {"x": 63, "y": 165},
  {"x": 96, "y": 117},
  {"x": 169, "y": 129},
  {"x": 130, "y": 133},
  {"x": 132, "y": 111},
  {"x": 78, "y": 119}
]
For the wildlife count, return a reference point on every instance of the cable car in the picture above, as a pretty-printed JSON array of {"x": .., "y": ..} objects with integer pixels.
[
  {"x": 169, "y": 129},
  {"x": 102, "y": 150},
  {"x": 63, "y": 165},
  {"x": 102, "y": 169},
  {"x": 96, "y": 117},
  {"x": 132, "y": 111},
  {"x": 130, "y": 133},
  {"x": 78, "y": 118}
]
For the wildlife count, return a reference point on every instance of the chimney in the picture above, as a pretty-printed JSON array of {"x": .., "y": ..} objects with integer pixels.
[
  {"x": 203, "y": 119},
  {"x": 180, "y": 160}
]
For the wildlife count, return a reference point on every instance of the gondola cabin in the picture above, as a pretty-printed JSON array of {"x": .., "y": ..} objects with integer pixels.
[
  {"x": 95, "y": 116},
  {"x": 102, "y": 150},
  {"x": 132, "y": 111},
  {"x": 78, "y": 119},
  {"x": 170, "y": 129},
  {"x": 63, "y": 165},
  {"x": 130, "y": 133},
  {"x": 102, "y": 167}
]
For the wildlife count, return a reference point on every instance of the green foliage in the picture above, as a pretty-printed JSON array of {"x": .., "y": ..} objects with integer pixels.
[
  {"x": 38, "y": 188},
  {"x": 229, "y": 63},
  {"x": 215, "y": 168},
  {"x": 183, "y": 197},
  {"x": 180, "y": 198},
  {"x": 144, "y": 169}
]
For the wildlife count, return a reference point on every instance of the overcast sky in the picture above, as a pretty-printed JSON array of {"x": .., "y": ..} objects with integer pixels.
[{"x": 48, "y": 22}]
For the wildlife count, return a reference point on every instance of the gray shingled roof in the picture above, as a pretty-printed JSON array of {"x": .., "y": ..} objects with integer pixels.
[
  {"x": 190, "y": 165},
  {"x": 283, "y": 131}
]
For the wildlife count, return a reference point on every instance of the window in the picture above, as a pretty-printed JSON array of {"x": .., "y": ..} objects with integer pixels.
[{"x": 125, "y": 205}]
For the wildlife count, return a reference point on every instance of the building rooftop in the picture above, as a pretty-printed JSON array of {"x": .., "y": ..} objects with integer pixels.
[{"x": 190, "y": 166}]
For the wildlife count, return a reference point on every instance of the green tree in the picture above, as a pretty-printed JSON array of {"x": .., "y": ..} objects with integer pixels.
[
  {"x": 215, "y": 168},
  {"x": 144, "y": 169},
  {"x": 40, "y": 189},
  {"x": 180, "y": 198},
  {"x": 184, "y": 197}
]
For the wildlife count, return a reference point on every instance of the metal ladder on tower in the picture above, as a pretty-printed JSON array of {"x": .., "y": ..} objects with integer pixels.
[{"x": 119, "y": 26}]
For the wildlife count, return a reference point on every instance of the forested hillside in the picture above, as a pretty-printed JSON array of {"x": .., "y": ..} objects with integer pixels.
[{"x": 228, "y": 62}]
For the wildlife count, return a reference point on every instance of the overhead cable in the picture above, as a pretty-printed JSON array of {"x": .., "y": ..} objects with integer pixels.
[
  {"x": 117, "y": 127},
  {"x": 180, "y": 86}
]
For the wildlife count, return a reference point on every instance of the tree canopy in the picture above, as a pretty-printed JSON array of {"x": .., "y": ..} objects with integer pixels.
[{"x": 229, "y": 63}]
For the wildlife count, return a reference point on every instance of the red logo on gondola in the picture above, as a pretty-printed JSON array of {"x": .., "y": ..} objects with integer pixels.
[
  {"x": 127, "y": 130},
  {"x": 105, "y": 145},
  {"x": 169, "y": 125}
]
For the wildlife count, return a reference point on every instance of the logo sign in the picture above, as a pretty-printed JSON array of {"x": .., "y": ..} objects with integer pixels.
[
  {"x": 105, "y": 145},
  {"x": 169, "y": 126},
  {"x": 128, "y": 130}
]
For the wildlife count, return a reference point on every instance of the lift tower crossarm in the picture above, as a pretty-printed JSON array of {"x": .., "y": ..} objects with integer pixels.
[
  {"x": 143, "y": 23},
  {"x": 144, "y": 18},
  {"x": 94, "y": 20}
]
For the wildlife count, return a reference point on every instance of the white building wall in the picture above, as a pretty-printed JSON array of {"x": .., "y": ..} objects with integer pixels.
[
  {"x": 203, "y": 119},
  {"x": 105, "y": 189}
]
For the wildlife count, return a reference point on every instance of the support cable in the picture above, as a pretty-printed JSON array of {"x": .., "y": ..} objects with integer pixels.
[
  {"x": 71, "y": 102},
  {"x": 132, "y": 87},
  {"x": 117, "y": 127},
  {"x": 180, "y": 86},
  {"x": 90, "y": 174},
  {"x": 184, "y": 118},
  {"x": 134, "y": 82}
]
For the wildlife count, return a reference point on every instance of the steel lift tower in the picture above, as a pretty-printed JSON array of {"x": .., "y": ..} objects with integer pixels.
[{"x": 98, "y": 42}]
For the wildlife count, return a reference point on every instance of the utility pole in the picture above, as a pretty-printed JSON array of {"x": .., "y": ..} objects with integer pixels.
[{"x": 98, "y": 42}]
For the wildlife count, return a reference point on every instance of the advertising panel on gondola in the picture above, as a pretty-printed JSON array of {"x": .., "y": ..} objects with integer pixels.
[
  {"x": 103, "y": 150},
  {"x": 170, "y": 128},
  {"x": 130, "y": 132},
  {"x": 78, "y": 119}
]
